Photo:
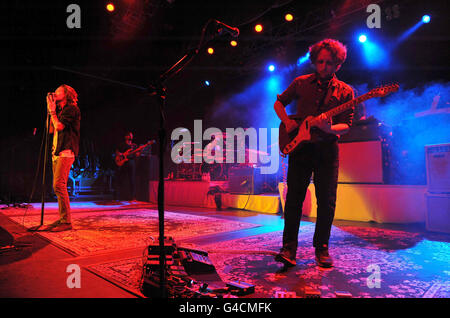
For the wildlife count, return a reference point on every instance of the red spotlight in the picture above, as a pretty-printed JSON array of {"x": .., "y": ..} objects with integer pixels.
[
  {"x": 110, "y": 7},
  {"x": 210, "y": 50},
  {"x": 258, "y": 28}
]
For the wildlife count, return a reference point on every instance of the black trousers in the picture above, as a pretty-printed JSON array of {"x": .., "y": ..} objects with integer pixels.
[
  {"x": 322, "y": 160},
  {"x": 126, "y": 181}
]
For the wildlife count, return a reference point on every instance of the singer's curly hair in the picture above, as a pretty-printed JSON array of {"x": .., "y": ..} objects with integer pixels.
[
  {"x": 71, "y": 95},
  {"x": 337, "y": 49}
]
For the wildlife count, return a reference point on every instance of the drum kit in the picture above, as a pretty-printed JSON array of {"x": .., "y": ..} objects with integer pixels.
[{"x": 212, "y": 171}]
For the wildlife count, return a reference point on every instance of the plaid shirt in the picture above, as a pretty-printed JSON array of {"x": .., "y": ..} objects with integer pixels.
[{"x": 310, "y": 95}]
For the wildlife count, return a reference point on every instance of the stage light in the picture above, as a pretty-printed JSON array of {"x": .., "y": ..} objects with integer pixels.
[
  {"x": 233, "y": 43},
  {"x": 210, "y": 50},
  {"x": 426, "y": 18},
  {"x": 258, "y": 28},
  {"x": 289, "y": 17},
  {"x": 207, "y": 83},
  {"x": 303, "y": 59},
  {"x": 110, "y": 7},
  {"x": 362, "y": 38},
  {"x": 271, "y": 68},
  {"x": 374, "y": 54}
]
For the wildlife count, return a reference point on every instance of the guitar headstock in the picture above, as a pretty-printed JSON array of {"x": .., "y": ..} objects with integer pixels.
[{"x": 384, "y": 90}]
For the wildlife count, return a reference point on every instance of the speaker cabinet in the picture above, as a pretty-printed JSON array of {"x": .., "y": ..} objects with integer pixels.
[
  {"x": 438, "y": 168},
  {"x": 244, "y": 180},
  {"x": 361, "y": 162},
  {"x": 438, "y": 212}
]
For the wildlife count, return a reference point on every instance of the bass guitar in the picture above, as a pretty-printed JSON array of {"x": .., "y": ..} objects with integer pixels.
[
  {"x": 121, "y": 158},
  {"x": 288, "y": 142}
]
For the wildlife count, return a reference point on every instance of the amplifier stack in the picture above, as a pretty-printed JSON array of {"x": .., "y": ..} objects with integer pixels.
[{"x": 438, "y": 192}]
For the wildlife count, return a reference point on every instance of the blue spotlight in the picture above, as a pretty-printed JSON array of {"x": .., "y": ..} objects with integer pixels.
[
  {"x": 374, "y": 55},
  {"x": 303, "y": 59},
  {"x": 271, "y": 68},
  {"x": 425, "y": 19},
  {"x": 207, "y": 83}
]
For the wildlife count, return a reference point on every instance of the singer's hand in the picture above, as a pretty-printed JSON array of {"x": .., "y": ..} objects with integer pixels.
[{"x": 51, "y": 104}]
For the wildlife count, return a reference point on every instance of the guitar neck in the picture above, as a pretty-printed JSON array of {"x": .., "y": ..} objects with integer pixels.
[
  {"x": 141, "y": 147},
  {"x": 346, "y": 106},
  {"x": 138, "y": 149}
]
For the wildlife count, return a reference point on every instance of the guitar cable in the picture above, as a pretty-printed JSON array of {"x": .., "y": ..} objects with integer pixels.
[{"x": 284, "y": 169}]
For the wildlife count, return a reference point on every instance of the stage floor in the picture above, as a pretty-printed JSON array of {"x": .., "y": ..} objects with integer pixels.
[
  {"x": 108, "y": 240},
  {"x": 381, "y": 203}
]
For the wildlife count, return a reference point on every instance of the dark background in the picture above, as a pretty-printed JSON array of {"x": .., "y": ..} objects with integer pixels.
[{"x": 142, "y": 39}]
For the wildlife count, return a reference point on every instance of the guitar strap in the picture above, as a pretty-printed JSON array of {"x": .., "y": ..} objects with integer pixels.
[
  {"x": 326, "y": 97},
  {"x": 329, "y": 93}
]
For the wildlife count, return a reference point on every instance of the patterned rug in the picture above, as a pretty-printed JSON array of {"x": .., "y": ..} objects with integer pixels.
[
  {"x": 369, "y": 263},
  {"x": 76, "y": 207},
  {"x": 102, "y": 232}
]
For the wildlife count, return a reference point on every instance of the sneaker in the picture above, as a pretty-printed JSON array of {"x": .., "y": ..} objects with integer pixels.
[
  {"x": 323, "y": 258},
  {"x": 62, "y": 227},
  {"x": 286, "y": 258}
]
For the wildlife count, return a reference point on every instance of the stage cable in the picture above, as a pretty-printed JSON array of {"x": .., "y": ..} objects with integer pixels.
[
  {"x": 248, "y": 199},
  {"x": 249, "y": 252},
  {"x": 284, "y": 169}
]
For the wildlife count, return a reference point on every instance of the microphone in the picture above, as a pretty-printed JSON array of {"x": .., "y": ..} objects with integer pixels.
[{"x": 234, "y": 32}]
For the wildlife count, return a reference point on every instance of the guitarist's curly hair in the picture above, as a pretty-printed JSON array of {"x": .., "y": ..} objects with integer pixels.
[{"x": 336, "y": 48}]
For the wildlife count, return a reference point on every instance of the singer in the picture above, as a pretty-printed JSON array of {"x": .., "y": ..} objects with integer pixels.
[{"x": 65, "y": 119}]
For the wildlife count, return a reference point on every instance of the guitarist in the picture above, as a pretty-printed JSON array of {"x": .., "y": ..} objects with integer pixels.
[
  {"x": 314, "y": 94},
  {"x": 127, "y": 172}
]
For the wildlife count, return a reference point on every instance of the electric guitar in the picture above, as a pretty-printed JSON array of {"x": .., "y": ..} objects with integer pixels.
[
  {"x": 121, "y": 158},
  {"x": 288, "y": 142}
]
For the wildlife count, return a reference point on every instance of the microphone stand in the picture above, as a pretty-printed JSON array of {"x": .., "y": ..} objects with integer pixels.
[
  {"x": 44, "y": 168},
  {"x": 158, "y": 89}
]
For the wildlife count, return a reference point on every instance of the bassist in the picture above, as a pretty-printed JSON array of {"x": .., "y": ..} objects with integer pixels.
[
  {"x": 315, "y": 94},
  {"x": 126, "y": 173}
]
